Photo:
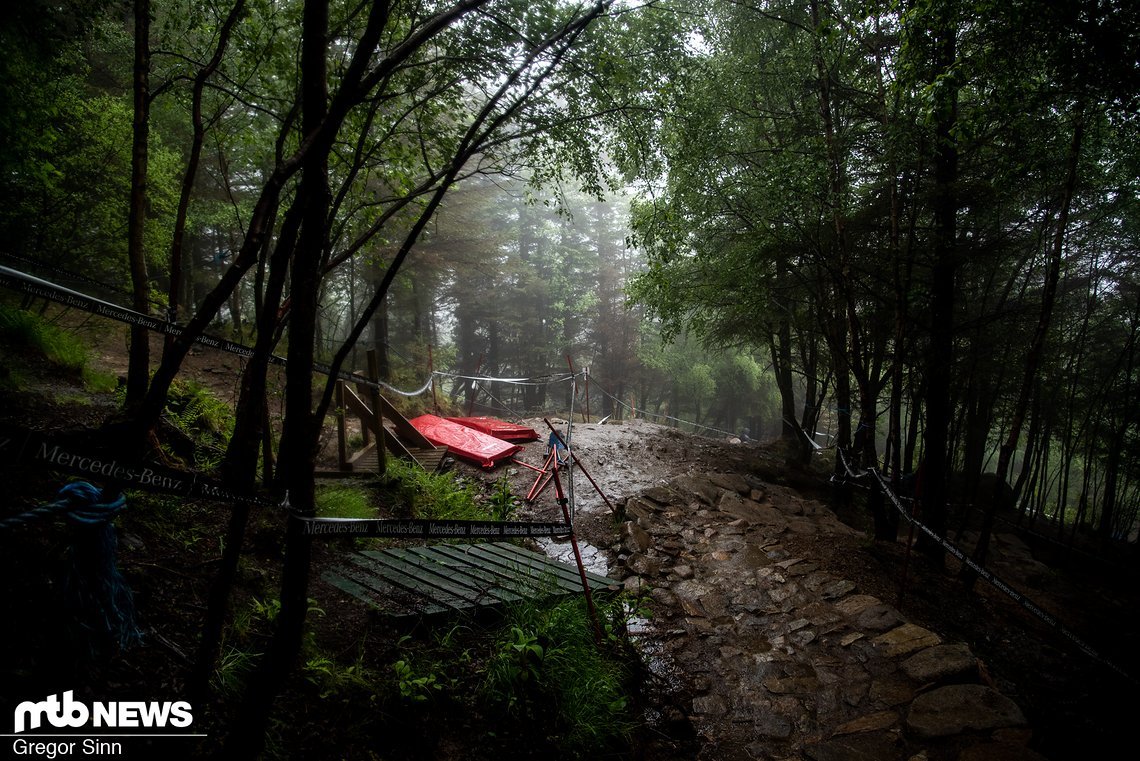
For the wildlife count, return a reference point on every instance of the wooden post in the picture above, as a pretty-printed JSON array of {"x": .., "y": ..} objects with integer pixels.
[
  {"x": 586, "y": 375},
  {"x": 374, "y": 394},
  {"x": 341, "y": 428}
]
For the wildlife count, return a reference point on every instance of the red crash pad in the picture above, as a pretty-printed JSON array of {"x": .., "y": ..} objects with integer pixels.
[
  {"x": 464, "y": 442},
  {"x": 500, "y": 429}
]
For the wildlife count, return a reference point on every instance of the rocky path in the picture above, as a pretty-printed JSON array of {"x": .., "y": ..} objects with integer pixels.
[{"x": 760, "y": 654}]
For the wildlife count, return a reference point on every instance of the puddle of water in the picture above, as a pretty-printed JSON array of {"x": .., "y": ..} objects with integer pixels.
[{"x": 592, "y": 558}]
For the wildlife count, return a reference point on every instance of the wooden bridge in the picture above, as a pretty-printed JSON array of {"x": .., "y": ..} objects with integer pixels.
[
  {"x": 384, "y": 431},
  {"x": 449, "y": 579}
]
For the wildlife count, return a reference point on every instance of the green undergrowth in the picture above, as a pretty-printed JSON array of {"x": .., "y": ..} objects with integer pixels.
[
  {"x": 433, "y": 496},
  {"x": 548, "y": 669},
  {"x": 345, "y": 501},
  {"x": 533, "y": 683},
  {"x": 200, "y": 424},
  {"x": 62, "y": 349}
]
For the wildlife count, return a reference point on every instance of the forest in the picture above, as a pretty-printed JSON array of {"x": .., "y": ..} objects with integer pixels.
[{"x": 909, "y": 231}]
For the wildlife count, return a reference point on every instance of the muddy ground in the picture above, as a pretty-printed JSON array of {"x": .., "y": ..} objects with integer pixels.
[{"x": 1074, "y": 703}]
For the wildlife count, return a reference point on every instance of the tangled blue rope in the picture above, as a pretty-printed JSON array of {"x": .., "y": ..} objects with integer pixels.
[{"x": 97, "y": 592}]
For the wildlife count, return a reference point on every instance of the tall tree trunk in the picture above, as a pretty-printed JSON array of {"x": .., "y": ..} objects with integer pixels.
[
  {"x": 138, "y": 366},
  {"x": 939, "y": 362},
  {"x": 1111, "y": 501},
  {"x": 300, "y": 434}
]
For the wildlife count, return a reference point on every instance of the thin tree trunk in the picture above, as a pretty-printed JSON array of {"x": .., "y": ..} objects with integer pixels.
[
  {"x": 138, "y": 366},
  {"x": 297, "y": 452},
  {"x": 178, "y": 238},
  {"x": 1037, "y": 346}
]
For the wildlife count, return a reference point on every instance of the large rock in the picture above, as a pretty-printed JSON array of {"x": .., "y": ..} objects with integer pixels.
[
  {"x": 959, "y": 708},
  {"x": 634, "y": 539},
  {"x": 904, "y": 640},
  {"x": 704, "y": 490},
  {"x": 731, "y": 482},
  {"x": 940, "y": 663}
]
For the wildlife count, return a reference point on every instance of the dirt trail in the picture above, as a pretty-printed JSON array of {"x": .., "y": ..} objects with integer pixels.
[{"x": 780, "y": 631}]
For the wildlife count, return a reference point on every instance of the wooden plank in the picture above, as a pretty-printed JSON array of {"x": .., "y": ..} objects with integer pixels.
[
  {"x": 508, "y": 578},
  {"x": 511, "y": 587},
  {"x": 449, "y": 578},
  {"x": 453, "y": 575},
  {"x": 425, "y": 580},
  {"x": 511, "y": 550},
  {"x": 554, "y": 575},
  {"x": 404, "y": 428},
  {"x": 371, "y": 423},
  {"x": 393, "y": 574},
  {"x": 341, "y": 428},
  {"x": 376, "y": 592},
  {"x": 364, "y": 458},
  {"x": 359, "y": 591}
]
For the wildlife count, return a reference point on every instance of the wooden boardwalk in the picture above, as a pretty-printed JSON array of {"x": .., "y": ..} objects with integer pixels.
[{"x": 450, "y": 579}]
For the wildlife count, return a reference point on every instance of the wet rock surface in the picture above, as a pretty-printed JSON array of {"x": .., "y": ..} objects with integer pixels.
[
  {"x": 770, "y": 657},
  {"x": 780, "y": 630}
]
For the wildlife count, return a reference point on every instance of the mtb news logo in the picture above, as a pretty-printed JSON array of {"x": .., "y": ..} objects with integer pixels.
[{"x": 66, "y": 712}]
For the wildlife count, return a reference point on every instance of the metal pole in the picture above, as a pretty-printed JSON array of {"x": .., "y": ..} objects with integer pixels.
[
  {"x": 578, "y": 462},
  {"x": 431, "y": 376}
]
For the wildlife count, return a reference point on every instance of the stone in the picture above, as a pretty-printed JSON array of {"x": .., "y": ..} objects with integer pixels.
[
  {"x": 803, "y": 569},
  {"x": 905, "y": 639},
  {"x": 856, "y": 604},
  {"x": 802, "y": 526},
  {"x": 661, "y": 595},
  {"x": 864, "y": 746},
  {"x": 662, "y": 495},
  {"x": 639, "y": 509},
  {"x": 891, "y": 690},
  {"x": 941, "y": 662},
  {"x": 643, "y": 565},
  {"x": 837, "y": 589},
  {"x": 710, "y": 705},
  {"x": 878, "y": 618},
  {"x": 870, "y": 723},
  {"x": 730, "y": 482},
  {"x": 634, "y": 539},
  {"x": 707, "y": 492},
  {"x": 772, "y": 725},
  {"x": 959, "y": 708},
  {"x": 682, "y": 571}
]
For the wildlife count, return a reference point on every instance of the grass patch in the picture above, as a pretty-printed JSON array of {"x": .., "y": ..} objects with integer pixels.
[
  {"x": 341, "y": 501},
  {"x": 433, "y": 496},
  {"x": 59, "y": 347}
]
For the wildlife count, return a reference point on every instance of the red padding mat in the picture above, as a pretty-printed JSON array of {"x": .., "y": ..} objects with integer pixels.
[
  {"x": 500, "y": 429},
  {"x": 464, "y": 442}
]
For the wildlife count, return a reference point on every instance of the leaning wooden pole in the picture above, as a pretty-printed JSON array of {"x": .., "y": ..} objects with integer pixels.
[
  {"x": 562, "y": 501},
  {"x": 381, "y": 443}
]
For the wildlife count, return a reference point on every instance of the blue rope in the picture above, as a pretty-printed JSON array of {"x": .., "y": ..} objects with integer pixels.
[
  {"x": 96, "y": 590},
  {"x": 35, "y": 514}
]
